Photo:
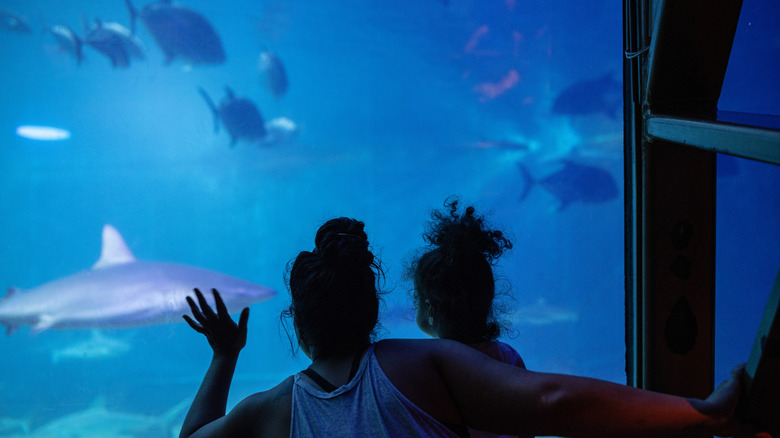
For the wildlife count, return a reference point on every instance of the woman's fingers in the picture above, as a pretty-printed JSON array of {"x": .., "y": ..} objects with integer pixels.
[
  {"x": 221, "y": 308},
  {"x": 195, "y": 326},
  {"x": 204, "y": 305},
  {"x": 242, "y": 320}
]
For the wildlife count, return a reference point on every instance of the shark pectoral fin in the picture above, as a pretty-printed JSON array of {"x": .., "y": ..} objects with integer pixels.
[
  {"x": 114, "y": 250},
  {"x": 45, "y": 322},
  {"x": 11, "y": 329}
]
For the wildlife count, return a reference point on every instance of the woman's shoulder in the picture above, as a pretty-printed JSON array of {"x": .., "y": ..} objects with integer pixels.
[
  {"x": 416, "y": 367},
  {"x": 278, "y": 396},
  {"x": 268, "y": 410}
]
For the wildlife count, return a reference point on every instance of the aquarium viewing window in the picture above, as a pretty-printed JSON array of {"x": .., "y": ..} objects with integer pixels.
[
  {"x": 198, "y": 156},
  {"x": 635, "y": 174},
  {"x": 620, "y": 166}
]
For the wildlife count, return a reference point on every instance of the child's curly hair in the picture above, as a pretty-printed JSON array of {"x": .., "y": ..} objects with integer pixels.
[{"x": 456, "y": 272}]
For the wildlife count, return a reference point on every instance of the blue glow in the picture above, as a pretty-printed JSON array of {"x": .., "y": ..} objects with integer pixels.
[{"x": 45, "y": 133}]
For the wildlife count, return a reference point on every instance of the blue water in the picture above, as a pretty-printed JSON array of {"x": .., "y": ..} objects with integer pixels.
[{"x": 397, "y": 108}]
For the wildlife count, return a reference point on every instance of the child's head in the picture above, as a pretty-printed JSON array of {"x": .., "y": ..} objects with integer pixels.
[{"x": 453, "y": 280}]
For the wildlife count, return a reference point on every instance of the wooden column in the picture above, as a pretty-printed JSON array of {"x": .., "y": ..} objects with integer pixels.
[{"x": 679, "y": 285}]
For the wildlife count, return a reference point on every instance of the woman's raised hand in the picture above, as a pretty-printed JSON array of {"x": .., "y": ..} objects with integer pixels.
[{"x": 223, "y": 334}]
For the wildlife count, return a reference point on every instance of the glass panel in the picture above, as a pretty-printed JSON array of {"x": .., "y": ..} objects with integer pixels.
[
  {"x": 388, "y": 111},
  {"x": 747, "y": 255},
  {"x": 751, "y": 83}
]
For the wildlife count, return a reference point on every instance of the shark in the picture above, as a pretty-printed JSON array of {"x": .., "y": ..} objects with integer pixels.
[
  {"x": 97, "y": 347},
  {"x": 98, "y": 421},
  {"x": 542, "y": 313},
  {"x": 119, "y": 291}
]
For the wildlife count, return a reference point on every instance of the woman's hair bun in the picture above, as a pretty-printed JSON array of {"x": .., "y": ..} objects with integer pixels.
[{"x": 343, "y": 242}]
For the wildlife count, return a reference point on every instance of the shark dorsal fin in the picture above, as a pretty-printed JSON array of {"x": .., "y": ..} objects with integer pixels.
[{"x": 114, "y": 250}]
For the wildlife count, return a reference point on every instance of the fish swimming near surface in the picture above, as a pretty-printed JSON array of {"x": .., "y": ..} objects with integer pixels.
[
  {"x": 275, "y": 74},
  {"x": 67, "y": 41},
  {"x": 114, "y": 41},
  {"x": 600, "y": 95},
  {"x": 573, "y": 183},
  {"x": 240, "y": 116},
  {"x": 98, "y": 421},
  {"x": 13, "y": 22},
  {"x": 121, "y": 292},
  {"x": 180, "y": 32}
]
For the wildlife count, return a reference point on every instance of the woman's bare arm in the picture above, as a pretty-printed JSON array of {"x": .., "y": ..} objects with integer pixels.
[
  {"x": 486, "y": 394},
  {"x": 497, "y": 397},
  {"x": 226, "y": 339}
]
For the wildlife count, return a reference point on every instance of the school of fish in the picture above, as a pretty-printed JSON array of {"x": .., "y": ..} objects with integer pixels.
[{"x": 183, "y": 35}]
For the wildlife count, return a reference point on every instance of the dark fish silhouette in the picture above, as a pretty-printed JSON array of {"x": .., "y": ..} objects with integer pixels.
[
  {"x": 602, "y": 95},
  {"x": 114, "y": 41},
  {"x": 67, "y": 41},
  {"x": 12, "y": 22},
  {"x": 240, "y": 116},
  {"x": 574, "y": 183},
  {"x": 180, "y": 32},
  {"x": 273, "y": 69}
]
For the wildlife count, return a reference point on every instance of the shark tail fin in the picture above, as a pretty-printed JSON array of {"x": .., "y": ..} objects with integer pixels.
[
  {"x": 10, "y": 328},
  {"x": 212, "y": 106},
  {"x": 9, "y": 292},
  {"x": 528, "y": 181}
]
